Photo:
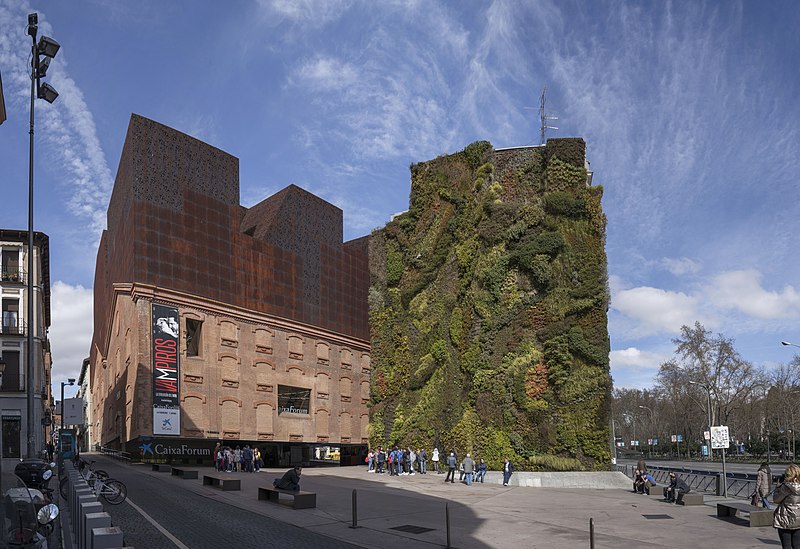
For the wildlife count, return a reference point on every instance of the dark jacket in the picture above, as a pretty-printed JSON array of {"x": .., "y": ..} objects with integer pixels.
[
  {"x": 289, "y": 480},
  {"x": 787, "y": 514}
]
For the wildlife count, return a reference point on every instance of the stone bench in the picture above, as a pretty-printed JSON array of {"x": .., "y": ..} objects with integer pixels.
[
  {"x": 301, "y": 500},
  {"x": 225, "y": 483},
  {"x": 184, "y": 473},
  {"x": 757, "y": 516},
  {"x": 690, "y": 499},
  {"x": 162, "y": 467}
]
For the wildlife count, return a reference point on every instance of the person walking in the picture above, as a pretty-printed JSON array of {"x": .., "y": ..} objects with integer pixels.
[
  {"x": 787, "y": 513},
  {"x": 469, "y": 469},
  {"x": 508, "y": 470},
  {"x": 764, "y": 484},
  {"x": 451, "y": 468},
  {"x": 435, "y": 460}
]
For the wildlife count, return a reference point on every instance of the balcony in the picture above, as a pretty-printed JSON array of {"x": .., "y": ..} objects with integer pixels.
[
  {"x": 13, "y": 276},
  {"x": 14, "y": 328}
]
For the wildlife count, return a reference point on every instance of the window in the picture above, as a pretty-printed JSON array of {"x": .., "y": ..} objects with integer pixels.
[
  {"x": 194, "y": 332},
  {"x": 293, "y": 400},
  {"x": 11, "y": 436},
  {"x": 11, "y": 378},
  {"x": 11, "y": 316}
]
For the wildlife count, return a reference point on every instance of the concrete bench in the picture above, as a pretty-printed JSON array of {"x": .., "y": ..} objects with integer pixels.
[
  {"x": 162, "y": 467},
  {"x": 184, "y": 473},
  {"x": 757, "y": 516},
  {"x": 690, "y": 499},
  {"x": 225, "y": 483},
  {"x": 302, "y": 500}
]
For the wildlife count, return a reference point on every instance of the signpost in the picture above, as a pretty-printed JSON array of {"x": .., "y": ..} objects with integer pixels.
[{"x": 720, "y": 439}]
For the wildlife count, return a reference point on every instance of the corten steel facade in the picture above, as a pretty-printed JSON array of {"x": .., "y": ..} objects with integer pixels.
[{"x": 271, "y": 293}]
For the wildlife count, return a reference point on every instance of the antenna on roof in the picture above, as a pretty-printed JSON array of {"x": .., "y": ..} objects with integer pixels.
[{"x": 544, "y": 117}]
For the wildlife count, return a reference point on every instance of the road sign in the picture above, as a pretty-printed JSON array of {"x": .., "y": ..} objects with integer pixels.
[{"x": 719, "y": 437}]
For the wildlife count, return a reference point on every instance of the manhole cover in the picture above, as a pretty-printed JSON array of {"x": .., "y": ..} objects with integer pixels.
[
  {"x": 656, "y": 517},
  {"x": 411, "y": 529}
]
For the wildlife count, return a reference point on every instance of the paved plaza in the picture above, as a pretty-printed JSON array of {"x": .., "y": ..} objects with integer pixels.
[{"x": 410, "y": 511}]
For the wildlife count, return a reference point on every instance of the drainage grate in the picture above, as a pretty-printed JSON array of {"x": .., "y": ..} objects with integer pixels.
[
  {"x": 411, "y": 529},
  {"x": 656, "y": 517}
]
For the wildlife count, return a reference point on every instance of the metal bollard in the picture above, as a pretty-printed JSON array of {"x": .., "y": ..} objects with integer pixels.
[
  {"x": 106, "y": 538},
  {"x": 447, "y": 522},
  {"x": 90, "y": 522}
]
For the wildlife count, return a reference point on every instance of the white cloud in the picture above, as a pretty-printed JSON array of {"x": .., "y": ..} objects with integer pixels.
[
  {"x": 637, "y": 367},
  {"x": 656, "y": 310},
  {"x": 71, "y": 329},
  {"x": 680, "y": 267},
  {"x": 742, "y": 291}
]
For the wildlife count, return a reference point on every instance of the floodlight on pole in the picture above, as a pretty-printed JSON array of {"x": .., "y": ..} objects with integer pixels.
[{"x": 41, "y": 54}]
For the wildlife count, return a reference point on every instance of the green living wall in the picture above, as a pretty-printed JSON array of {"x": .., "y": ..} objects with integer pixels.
[{"x": 488, "y": 305}]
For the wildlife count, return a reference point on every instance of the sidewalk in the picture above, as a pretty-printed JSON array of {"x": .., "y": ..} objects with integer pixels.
[{"x": 409, "y": 511}]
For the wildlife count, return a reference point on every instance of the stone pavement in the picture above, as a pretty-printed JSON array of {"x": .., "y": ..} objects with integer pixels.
[{"x": 409, "y": 511}]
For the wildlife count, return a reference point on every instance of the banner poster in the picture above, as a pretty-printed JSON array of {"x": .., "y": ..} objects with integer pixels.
[{"x": 166, "y": 353}]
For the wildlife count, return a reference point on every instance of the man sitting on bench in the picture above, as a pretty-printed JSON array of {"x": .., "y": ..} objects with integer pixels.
[
  {"x": 676, "y": 488},
  {"x": 290, "y": 480}
]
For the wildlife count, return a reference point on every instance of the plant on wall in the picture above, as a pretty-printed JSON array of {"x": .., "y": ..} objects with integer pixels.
[{"x": 488, "y": 305}]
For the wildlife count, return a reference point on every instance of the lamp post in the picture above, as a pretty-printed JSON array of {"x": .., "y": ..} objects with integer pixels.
[
  {"x": 69, "y": 381},
  {"x": 708, "y": 392},
  {"x": 650, "y": 440},
  {"x": 41, "y": 54},
  {"x": 2, "y": 369}
]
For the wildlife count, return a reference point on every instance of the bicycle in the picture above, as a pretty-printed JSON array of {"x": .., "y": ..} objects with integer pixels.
[{"x": 111, "y": 490}]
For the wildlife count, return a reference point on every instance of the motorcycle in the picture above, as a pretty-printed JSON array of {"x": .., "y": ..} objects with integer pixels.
[{"x": 23, "y": 526}]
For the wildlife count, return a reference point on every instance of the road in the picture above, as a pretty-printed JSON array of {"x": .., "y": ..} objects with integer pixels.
[{"x": 191, "y": 520}]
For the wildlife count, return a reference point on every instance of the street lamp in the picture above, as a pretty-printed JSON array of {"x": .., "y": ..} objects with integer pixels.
[
  {"x": 41, "y": 54},
  {"x": 69, "y": 381},
  {"x": 652, "y": 424},
  {"x": 708, "y": 392}
]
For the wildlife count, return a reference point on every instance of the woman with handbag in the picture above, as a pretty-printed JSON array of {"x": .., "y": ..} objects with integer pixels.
[{"x": 787, "y": 513}]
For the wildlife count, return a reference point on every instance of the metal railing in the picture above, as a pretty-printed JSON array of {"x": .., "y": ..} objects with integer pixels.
[{"x": 119, "y": 455}]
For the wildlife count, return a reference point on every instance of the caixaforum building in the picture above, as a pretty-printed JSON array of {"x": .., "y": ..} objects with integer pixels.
[{"x": 215, "y": 322}]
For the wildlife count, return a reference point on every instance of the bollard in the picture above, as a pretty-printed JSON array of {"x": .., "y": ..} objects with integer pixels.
[
  {"x": 355, "y": 510},
  {"x": 447, "y": 522},
  {"x": 106, "y": 538},
  {"x": 90, "y": 522},
  {"x": 87, "y": 508},
  {"x": 591, "y": 533}
]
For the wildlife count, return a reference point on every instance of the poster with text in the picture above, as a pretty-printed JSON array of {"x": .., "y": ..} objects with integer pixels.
[{"x": 166, "y": 369}]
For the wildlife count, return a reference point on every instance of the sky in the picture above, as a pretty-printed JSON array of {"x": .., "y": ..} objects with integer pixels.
[{"x": 688, "y": 110}]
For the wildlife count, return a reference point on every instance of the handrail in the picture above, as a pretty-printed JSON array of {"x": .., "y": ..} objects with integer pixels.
[{"x": 115, "y": 454}]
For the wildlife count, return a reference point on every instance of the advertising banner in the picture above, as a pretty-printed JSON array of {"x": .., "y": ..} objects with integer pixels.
[{"x": 166, "y": 371}]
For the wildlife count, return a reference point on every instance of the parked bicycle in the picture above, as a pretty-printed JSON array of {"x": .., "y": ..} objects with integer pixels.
[{"x": 111, "y": 490}]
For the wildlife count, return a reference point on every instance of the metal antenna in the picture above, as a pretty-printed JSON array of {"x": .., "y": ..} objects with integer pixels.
[{"x": 543, "y": 116}]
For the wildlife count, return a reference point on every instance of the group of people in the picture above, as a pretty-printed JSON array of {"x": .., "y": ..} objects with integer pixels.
[
  {"x": 410, "y": 462},
  {"x": 233, "y": 460}
]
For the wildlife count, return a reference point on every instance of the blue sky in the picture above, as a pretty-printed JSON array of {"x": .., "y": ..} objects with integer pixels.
[{"x": 688, "y": 109}]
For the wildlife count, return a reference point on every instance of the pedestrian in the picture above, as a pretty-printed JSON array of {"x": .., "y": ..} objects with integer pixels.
[
  {"x": 508, "y": 470},
  {"x": 764, "y": 484},
  {"x": 481, "y": 473},
  {"x": 787, "y": 514},
  {"x": 676, "y": 488},
  {"x": 423, "y": 461},
  {"x": 435, "y": 460},
  {"x": 469, "y": 469},
  {"x": 290, "y": 480},
  {"x": 452, "y": 462}
]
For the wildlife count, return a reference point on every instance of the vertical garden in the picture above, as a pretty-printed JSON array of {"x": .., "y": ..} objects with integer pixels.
[{"x": 488, "y": 305}]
